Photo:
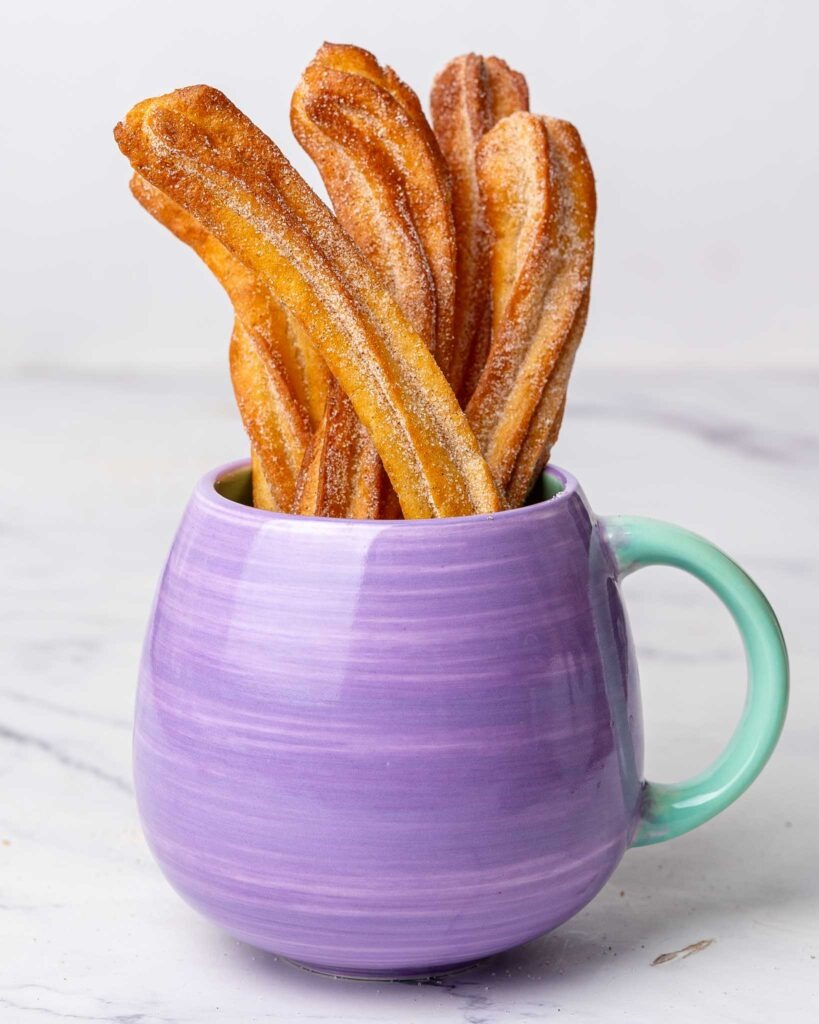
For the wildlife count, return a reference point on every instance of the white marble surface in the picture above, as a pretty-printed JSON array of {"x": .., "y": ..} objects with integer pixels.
[{"x": 95, "y": 474}]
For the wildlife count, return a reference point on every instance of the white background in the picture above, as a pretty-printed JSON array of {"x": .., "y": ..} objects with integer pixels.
[{"x": 699, "y": 118}]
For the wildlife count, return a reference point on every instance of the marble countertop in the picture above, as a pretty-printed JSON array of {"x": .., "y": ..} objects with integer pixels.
[{"x": 96, "y": 471}]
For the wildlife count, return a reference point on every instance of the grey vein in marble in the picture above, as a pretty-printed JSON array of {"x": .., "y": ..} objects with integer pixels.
[
  {"x": 75, "y": 764},
  {"x": 61, "y": 709}
]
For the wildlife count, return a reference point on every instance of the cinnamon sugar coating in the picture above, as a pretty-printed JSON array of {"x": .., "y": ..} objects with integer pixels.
[
  {"x": 390, "y": 189},
  {"x": 539, "y": 198},
  {"x": 198, "y": 148},
  {"x": 469, "y": 96}
]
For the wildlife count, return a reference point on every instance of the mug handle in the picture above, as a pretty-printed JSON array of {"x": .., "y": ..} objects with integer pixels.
[{"x": 669, "y": 810}]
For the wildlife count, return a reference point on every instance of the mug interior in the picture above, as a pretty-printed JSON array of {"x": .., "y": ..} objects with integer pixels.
[{"x": 236, "y": 485}]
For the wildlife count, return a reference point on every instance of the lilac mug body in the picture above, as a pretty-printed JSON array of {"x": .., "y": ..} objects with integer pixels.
[{"x": 387, "y": 749}]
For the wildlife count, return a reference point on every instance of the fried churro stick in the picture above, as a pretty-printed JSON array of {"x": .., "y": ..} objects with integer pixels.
[
  {"x": 342, "y": 475},
  {"x": 262, "y": 495},
  {"x": 388, "y": 181},
  {"x": 313, "y": 380},
  {"x": 548, "y": 416},
  {"x": 278, "y": 438},
  {"x": 538, "y": 190},
  {"x": 201, "y": 150},
  {"x": 389, "y": 185},
  {"x": 468, "y": 97},
  {"x": 263, "y": 361}
]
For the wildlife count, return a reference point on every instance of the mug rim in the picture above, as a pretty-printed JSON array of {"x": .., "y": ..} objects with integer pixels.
[{"x": 207, "y": 493}]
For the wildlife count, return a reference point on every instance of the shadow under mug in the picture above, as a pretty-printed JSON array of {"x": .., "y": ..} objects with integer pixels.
[{"x": 389, "y": 749}]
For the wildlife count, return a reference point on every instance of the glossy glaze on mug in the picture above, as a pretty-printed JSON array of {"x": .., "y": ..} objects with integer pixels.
[{"x": 388, "y": 747}]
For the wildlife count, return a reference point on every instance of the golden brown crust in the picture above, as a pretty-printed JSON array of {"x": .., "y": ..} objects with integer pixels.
[
  {"x": 278, "y": 448},
  {"x": 468, "y": 97},
  {"x": 354, "y": 60},
  {"x": 263, "y": 362},
  {"x": 306, "y": 501},
  {"x": 260, "y": 488},
  {"x": 313, "y": 379},
  {"x": 538, "y": 191},
  {"x": 197, "y": 147},
  {"x": 548, "y": 417},
  {"x": 367, "y": 134},
  {"x": 508, "y": 89},
  {"x": 388, "y": 183},
  {"x": 341, "y": 475}
]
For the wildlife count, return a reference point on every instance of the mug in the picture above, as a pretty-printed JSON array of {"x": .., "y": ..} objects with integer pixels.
[{"x": 389, "y": 749}]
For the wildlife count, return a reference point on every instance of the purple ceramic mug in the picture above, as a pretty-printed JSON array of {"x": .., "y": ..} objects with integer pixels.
[{"x": 388, "y": 749}]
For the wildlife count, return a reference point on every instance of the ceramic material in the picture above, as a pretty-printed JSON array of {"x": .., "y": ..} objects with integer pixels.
[{"x": 391, "y": 748}]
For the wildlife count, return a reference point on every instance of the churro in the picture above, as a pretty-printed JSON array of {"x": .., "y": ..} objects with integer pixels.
[
  {"x": 278, "y": 439},
  {"x": 548, "y": 416},
  {"x": 342, "y": 475},
  {"x": 199, "y": 149},
  {"x": 390, "y": 189},
  {"x": 469, "y": 96},
  {"x": 538, "y": 191}
]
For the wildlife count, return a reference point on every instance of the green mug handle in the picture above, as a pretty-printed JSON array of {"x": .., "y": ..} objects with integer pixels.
[{"x": 669, "y": 810}]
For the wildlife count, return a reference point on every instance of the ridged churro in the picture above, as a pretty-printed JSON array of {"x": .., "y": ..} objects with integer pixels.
[
  {"x": 538, "y": 191},
  {"x": 342, "y": 476},
  {"x": 278, "y": 439},
  {"x": 262, "y": 495},
  {"x": 548, "y": 416},
  {"x": 390, "y": 189},
  {"x": 469, "y": 96},
  {"x": 198, "y": 148}
]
